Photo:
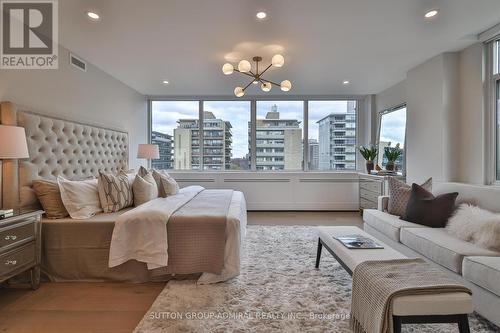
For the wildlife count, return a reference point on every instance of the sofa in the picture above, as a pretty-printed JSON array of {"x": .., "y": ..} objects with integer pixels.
[{"x": 476, "y": 267}]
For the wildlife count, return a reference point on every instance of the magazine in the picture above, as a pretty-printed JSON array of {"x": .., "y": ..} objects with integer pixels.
[{"x": 358, "y": 242}]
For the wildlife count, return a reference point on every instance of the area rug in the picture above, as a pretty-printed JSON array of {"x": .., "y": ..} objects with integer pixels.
[{"x": 278, "y": 290}]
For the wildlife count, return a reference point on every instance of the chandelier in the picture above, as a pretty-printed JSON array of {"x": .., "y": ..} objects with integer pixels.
[{"x": 244, "y": 67}]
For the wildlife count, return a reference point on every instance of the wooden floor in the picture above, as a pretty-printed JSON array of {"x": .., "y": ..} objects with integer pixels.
[{"x": 115, "y": 307}]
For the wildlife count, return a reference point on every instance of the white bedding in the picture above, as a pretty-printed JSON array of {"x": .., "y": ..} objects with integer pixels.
[{"x": 141, "y": 234}]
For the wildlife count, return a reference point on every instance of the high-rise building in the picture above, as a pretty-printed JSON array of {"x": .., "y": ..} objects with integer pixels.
[
  {"x": 164, "y": 142},
  {"x": 278, "y": 143},
  {"x": 337, "y": 140},
  {"x": 217, "y": 143},
  {"x": 313, "y": 154}
]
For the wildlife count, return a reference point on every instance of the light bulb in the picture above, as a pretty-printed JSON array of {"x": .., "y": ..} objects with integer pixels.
[
  {"x": 286, "y": 85},
  {"x": 244, "y": 66},
  {"x": 239, "y": 92},
  {"x": 431, "y": 13},
  {"x": 227, "y": 69},
  {"x": 278, "y": 60},
  {"x": 266, "y": 86}
]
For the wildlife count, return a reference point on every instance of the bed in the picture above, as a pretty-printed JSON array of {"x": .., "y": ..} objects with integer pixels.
[{"x": 79, "y": 250}]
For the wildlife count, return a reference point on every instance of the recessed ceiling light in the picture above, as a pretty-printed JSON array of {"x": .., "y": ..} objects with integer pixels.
[
  {"x": 93, "y": 15},
  {"x": 261, "y": 15},
  {"x": 165, "y": 82},
  {"x": 431, "y": 13},
  {"x": 345, "y": 82}
]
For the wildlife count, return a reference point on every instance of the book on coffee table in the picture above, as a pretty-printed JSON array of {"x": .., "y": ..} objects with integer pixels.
[{"x": 358, "y": 242}]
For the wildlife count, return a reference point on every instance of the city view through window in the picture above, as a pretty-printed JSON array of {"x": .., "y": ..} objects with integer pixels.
[
  {"x": 392, "y": 133},
  {"x": 226, "y": 135}
]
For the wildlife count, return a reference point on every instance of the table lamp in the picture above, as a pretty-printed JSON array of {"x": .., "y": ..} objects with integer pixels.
[
  {"x": 148, "y": 152},
  {"x": 12, "y": 146}
]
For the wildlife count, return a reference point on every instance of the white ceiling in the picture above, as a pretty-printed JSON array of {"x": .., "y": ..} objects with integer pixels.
[{"x": 372, "y": 43}]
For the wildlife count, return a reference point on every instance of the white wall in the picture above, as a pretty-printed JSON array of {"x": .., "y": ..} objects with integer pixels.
[
  {"x": 92, "y": 97},
  {"x": 445, "y": 131}
]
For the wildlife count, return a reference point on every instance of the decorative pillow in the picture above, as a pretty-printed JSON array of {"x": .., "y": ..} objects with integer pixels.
[
  {"x": 426, "y": 209},
  {"x": 115, "y": 191},
  {"x": 142, "y": 171},
  {"x": 80, "y": 197},
  {"x": 474, "y": 224},
  {"x": 49, "y": 196},
  {"x": 145, "y": 189},
  {"x": 399, "y": 195},
  {"x": 166, "y": 184}
]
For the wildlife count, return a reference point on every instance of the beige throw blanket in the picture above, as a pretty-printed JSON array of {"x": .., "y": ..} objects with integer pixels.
[{"x": 376, "y": 283}]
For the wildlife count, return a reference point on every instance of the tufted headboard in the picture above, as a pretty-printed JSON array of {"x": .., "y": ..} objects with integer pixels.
[{"x": 57, "y": 147}]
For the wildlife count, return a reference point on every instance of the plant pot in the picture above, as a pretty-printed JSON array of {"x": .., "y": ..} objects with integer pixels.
[
  {"x": 369, "y": 167},
  {"x": 389, "y": 166}
]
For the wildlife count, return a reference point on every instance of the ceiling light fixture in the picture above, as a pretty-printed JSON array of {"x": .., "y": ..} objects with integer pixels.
[
  {"x": 345, "y": 82},
  {"x": 244, "y": 67},
  {"x": 93, "y": 15},
  {"x": 261, "y": 15},
  {"x": 431, "y": 13},
  {"x": 165, "y": 82}
]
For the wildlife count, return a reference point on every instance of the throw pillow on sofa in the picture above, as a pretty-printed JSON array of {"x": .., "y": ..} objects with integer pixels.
[
  {"x": 426, "y": 209},
  {"x": 399, "y": 195},
  {"x": 474, "y": 224}
]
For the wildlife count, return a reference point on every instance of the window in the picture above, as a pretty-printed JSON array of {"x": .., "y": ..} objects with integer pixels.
[
  {"x": 392, "y": 131},
  {"x": 496, "y": 57},
  {"x": 279, "y": 135},
  {"x": 226, "y": 143},
  {"x": 332, "y": 135},
  {"x": 498, "y": 125},
  {"x": 175, "y": 129}
]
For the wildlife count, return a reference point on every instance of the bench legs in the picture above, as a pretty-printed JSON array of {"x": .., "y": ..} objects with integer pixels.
[
  {"x": 462, "y": 320},
  {"x": 318, "y": 254}
]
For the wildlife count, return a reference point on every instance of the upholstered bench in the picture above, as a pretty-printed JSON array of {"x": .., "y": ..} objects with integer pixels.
[{"x": 419, "y": 309}]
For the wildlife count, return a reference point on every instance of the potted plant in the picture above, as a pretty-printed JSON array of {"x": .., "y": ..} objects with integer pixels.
[
  {"x": 369, "y": 154},
  {"x": 392, "y": 154}
]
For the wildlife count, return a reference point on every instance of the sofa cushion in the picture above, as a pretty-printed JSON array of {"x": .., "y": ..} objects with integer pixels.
[
  {"x": 442, "y": 248},
  {"x": 483, "y": 271},
  {"x": 389, "y": 225}
]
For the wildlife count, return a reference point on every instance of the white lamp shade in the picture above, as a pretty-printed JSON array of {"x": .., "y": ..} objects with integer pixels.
[
  {"x": 149, "y": 152},
  {"x": 278, "y": 60},
  {"x": 239, "y": 92},
  {"x": 227, "y": 69},
  {"x": 266, "y": 86},
  {"x": 13, "y": 142},
  {"x": 244, "y": 66},
  {"x": 286, "y": 85}
]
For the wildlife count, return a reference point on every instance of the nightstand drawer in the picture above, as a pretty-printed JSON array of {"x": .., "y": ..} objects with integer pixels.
[
  {"x": 366, "y": 204},
  {"x": 368, "y": 195},
  {"x": 18, "y": 258},
  {"x": 17, "y": 233}
]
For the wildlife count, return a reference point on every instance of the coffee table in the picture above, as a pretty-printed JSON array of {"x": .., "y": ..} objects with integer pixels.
[{"x": 418, "y": 309}]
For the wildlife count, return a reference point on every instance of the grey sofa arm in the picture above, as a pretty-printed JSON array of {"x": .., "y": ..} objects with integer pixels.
[{"x": 383, "y": 203}]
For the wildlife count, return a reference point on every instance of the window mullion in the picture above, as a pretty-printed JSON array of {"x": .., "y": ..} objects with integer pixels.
[
  {"x": 253, "y": 135},
  {"x": 305, "y": 140},
  {"x": 201, "y": 133}
]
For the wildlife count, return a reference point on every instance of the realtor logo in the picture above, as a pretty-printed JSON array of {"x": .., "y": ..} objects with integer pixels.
[{"x": 29, "y": 34}]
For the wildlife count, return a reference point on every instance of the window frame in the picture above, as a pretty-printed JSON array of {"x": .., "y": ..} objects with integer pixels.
[
  {"x": 491, "y": 59},
  {"x": 379, "y": 128},
  {"x": 253, "y": 122}
]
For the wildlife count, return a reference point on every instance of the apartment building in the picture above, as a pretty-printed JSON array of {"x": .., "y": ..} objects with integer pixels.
[
  {"x": 278, "y": 143},
  {"x": 313, "y": 154},
  {"x": 217, "y": 141},
  {"x": 337, "y": 140},
  {"x": 165, "y": 146}
]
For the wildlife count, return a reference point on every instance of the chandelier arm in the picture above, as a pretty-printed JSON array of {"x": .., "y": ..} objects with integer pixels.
[
  {"x": 276, "y": 84},
  {"x": 248, "y": 85},
  {"x": 244, "y": 73},
  {"x": 266, "y": 69}
]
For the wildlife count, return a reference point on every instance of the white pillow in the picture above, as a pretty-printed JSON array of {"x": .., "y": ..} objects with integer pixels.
[
  {"x": 80, "y": 197},
  {"x": 473, "y": 224},
  {"x": 167, "y": 185}
]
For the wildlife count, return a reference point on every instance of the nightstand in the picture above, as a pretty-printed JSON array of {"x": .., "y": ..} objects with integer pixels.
[
  {"x": 20, "y": 246},
  {"x": 371, "y": 187}
]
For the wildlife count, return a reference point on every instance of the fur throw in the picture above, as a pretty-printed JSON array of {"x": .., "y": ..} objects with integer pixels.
[{"x": 476, "y": 225}]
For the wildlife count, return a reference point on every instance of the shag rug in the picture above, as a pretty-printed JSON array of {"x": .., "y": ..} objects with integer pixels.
[{"x": 278, "y": 290}]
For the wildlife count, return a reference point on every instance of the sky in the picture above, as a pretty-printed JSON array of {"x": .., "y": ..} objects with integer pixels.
[
  {"x": 166, "y": 113},
  {"x": 392, "y": 127}
]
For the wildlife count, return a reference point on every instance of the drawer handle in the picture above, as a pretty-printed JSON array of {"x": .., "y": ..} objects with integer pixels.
[
  {"x": 11, "y": 263},
  {"x": 10, "y": 237}
]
